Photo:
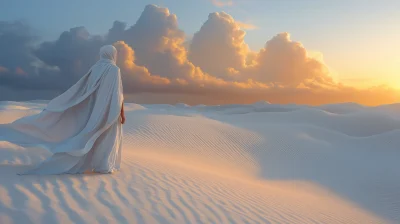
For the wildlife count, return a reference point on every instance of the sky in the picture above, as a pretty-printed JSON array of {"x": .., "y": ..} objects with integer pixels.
[{"x": 355, "y": 40}]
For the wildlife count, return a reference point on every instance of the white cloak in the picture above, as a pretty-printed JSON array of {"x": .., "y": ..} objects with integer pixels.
[{"x": 81, "y": 127}]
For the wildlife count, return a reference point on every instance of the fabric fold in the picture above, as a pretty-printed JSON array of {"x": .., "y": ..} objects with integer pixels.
[{"x": 81, "y": 127}]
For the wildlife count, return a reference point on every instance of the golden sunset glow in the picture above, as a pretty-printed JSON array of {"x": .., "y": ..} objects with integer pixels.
[
  {"x": 218, "y": 63},
  {"x": 206, "y": 111}
]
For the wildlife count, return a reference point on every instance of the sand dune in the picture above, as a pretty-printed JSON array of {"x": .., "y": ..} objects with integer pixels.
[{"x": 259, "y": 163}]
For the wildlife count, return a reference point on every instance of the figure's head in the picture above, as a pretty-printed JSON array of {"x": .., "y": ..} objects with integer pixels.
[{"x": 108, "y": 52}]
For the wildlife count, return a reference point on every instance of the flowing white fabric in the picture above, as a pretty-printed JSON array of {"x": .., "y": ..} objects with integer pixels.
[{"x": 81, "y": 127}]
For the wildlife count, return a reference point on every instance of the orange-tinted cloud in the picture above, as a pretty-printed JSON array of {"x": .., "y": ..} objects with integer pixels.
[
  {"x": 157, "y": 62},
  {"x": 3, "y": 69},
  {"x": 160, "y": 50},
  {"x": 246, "y": 26},
  {"x": 286, "y": 62},
  {"x": 133, "y": 74},
  {"x": 222, "y": 3},
  {"x": 219, "y": 47},
  {"x": 220, "y": 65},
  {"x": 20, "y": 71}
]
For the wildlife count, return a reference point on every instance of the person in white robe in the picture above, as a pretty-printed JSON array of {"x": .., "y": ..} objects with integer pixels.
[{"x": 81, "y": 127}]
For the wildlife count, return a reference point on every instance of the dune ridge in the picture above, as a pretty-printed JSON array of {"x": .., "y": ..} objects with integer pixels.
[{"x": 260, "y": 163}]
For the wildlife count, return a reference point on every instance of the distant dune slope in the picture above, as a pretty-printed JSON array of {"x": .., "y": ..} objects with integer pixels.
[{"x": 259, "y": 163}]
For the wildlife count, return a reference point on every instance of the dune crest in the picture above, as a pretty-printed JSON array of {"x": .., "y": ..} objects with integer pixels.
[{"x": 260, "y": 163}]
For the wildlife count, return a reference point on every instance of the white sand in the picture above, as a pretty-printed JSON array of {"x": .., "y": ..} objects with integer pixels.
[{"x": 260, "y": 163}]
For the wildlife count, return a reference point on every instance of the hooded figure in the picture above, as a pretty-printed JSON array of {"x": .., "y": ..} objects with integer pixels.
[{"x": 81, "y": 127}]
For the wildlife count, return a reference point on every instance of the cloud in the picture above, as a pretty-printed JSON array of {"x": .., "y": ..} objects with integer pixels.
[
  {"x": 21, "y": 69},
  {"x": 222, "y": 3},
  {"x": 3, "y": 69},
  {"x": 158, "y": 42},
  {"x": 16, "y": 40},
  {"x": 135, "y": 77},
  {"x": 74, "y": 52},
  {"x": 246, "y": 26},
  {"x": 286, "y": 62},
  {"x": 219, "y": 47},
  {"x": 160, "y": 49},
  {"x": 159, "y": 64}
]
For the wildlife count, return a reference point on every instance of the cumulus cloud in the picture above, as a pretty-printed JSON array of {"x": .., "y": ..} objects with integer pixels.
[
  {"x": 286, "y": 62},
  {"x": 160, "y": 49},
  {"x": 158, "y": 42},
  {"x": 219, "y": 47},
  {"x": 16, "y": 40},
  {"x": 135, "y": 77},
  {"x": 73, "y": 53},
  {"x": 159, "y": 64},
  {"x": 20, "y": 68}
]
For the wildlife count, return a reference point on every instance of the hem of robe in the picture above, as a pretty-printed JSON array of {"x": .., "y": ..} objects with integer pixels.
[
  {"x": 73, "y": 161},
  {"x": 73, "y": 157}
]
